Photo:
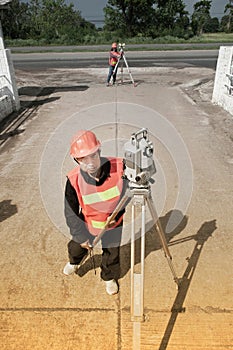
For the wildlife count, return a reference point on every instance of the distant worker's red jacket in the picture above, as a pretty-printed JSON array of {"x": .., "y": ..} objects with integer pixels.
[{"x": 113, "y": 57}]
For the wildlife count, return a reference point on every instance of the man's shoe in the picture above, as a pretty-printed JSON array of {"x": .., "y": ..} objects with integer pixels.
[
  {"x": 111, "y": 287},
  {"x": 69, "y": 269}
]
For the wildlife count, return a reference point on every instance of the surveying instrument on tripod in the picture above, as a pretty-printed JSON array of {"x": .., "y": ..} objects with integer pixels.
[
  {"x": 121, "y": 51},
  {"x": 139, "y": 168}
]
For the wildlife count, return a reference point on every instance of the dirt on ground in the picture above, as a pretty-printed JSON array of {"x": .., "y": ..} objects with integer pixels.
[{"x": 43, "y": 309}]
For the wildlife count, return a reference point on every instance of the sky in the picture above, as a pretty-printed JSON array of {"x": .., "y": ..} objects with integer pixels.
[{"x": 92, "y": 10}]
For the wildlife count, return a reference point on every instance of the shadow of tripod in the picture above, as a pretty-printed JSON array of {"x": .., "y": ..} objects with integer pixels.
[
  {"x": 152, "y": 241},
  {"x": 201, "y": 238}
]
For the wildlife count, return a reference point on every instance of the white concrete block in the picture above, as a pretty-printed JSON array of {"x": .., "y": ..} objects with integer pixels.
[
  {"x": 222, "y": 92},
  {"x": 9, "y": 101},
  {"x": 6, "y": 107},
  {"x": 13, "y": 81}
]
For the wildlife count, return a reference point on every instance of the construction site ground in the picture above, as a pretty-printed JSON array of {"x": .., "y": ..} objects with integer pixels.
[{"x": 40, "y": 308}]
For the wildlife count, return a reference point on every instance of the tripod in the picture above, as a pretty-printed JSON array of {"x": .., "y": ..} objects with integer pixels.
[
  {"x": 126, "y": 64},
  {"x": 140, "y": 195}
]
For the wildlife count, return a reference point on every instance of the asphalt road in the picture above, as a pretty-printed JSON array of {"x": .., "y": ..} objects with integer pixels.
[{"x": 176, "y": 59}]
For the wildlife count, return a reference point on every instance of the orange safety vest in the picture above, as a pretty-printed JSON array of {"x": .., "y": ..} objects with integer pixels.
[
  {"x": 113, "y": 58},
  {"x": 98, "y": 202}
]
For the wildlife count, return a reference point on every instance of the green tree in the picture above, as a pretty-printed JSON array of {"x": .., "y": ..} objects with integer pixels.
[
  {"x": 224, "y": 23},
  {"x": 229, "y": 9},
  {"x": 16, "y": 20},
  {"x": 58, "y": 19},
  {"x": 51, "y": 21},
  {"x": 212, "y": 25},
  {"x": 129, "y": 17},
  {"x": 201, "y": 15},
  {"x": 35, "y": 9},
  {"x": 171, "y": 17}
]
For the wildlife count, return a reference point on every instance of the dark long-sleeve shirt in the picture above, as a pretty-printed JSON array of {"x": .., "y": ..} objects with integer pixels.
[{"x": 73, "y": 210}]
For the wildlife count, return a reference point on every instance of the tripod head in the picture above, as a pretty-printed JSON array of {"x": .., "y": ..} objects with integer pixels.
[
  {"x": 121, "y": 46},
  {"x": 138, "y": 160}
]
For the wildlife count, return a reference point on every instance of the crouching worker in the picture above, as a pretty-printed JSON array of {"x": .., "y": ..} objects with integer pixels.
[{"x": 93, "y": 189}]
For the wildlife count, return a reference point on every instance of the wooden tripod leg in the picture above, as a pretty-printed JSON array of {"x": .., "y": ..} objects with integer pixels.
[{"x": 162, "y": 237}]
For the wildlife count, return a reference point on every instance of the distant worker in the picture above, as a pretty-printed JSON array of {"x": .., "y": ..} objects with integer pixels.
[
  {"x": 93, "y": 189},
  {"x": 114, "y": 56}
]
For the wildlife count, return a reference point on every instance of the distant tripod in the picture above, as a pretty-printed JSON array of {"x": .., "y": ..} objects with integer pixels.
[{"x": 126, "y": 64}]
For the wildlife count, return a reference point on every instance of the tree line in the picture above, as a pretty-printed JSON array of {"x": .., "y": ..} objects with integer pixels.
[{"x": 54, "y": 21}]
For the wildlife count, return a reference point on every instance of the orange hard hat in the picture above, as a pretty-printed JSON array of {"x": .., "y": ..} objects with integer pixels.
[
  {"x": 83, "y": 143},
  {"x": 114, "y": 45}
]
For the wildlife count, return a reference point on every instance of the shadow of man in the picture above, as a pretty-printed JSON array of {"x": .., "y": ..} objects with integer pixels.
[{"x": 7, "y": 209}]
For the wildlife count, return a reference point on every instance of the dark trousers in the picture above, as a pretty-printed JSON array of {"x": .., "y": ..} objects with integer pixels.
[
  {"x": 110, "y": 266},
  {"x": 110, "y": 73}
]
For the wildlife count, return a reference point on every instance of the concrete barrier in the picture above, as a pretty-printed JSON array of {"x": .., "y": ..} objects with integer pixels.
[
  {"x": 9, "y": 98},
  {"x": 5, "y": 106},
  {"x": 223, "y": 83},
  {"x": 6, "y": 101}
]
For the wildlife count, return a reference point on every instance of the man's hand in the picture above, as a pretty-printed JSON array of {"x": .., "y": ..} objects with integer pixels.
[
  {"x": 111, "y": 223},
  {"x": 86, "y": 245}
]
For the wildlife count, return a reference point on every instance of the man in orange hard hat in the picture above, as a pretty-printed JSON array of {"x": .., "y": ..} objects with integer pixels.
[
  {"x": 114, "y": 56},
  {"x": 93, "y": 189}
]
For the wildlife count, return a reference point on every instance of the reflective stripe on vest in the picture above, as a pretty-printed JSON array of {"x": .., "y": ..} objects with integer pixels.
[
  {"x": 101, "y": 196},
  {"x": 98, "y": 224},
  {"x": 113, "y": 62}
]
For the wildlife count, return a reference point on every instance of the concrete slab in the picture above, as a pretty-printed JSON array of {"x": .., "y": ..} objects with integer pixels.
[{"x": 40, "y": 308}]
